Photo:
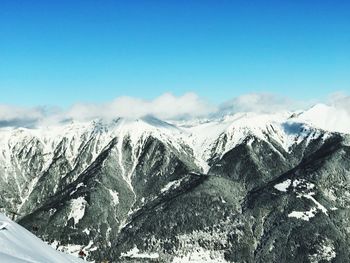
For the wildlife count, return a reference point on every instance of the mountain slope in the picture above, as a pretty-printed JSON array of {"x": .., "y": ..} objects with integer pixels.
[{"x": 18, "y": 245}]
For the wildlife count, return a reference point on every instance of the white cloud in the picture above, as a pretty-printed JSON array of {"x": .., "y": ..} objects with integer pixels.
[
  {"x": 166, "y": 107},
  {"x": 20, "y": 116},
  {"x": 340, "y": 100},
  {"x": 8, "y": 112},
  {"x": 262, "y": 103}
]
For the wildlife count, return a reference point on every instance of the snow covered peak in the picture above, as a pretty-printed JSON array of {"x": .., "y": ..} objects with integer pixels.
[
  {"x": 217, "y": 136},
  {"x": 202, "y": 136},
  {"x": 17, "y": 245},
  {"x": 326, "y": 117},
  {"x": 254, "y": 120}
]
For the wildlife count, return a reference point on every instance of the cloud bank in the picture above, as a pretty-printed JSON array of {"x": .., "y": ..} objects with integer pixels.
[
  {"x": 341, "y": 101},
  {"x": 166, "y": 107},
  {"x": 13, "y": 116},
  {"x": 262, "y": 103}
]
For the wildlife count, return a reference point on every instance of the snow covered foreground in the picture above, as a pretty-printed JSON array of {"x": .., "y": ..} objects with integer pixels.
[{"x": 18, "y": 245}]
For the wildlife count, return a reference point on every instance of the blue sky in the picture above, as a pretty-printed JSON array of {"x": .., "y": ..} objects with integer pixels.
[{"x": 63, "y": 52}]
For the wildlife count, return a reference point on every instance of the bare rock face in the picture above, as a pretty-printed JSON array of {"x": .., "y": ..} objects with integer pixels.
[{"x": 247, "y": 189}]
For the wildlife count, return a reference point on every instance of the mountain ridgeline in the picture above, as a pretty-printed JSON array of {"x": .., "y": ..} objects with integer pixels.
[{"x": 241, "y": 188}]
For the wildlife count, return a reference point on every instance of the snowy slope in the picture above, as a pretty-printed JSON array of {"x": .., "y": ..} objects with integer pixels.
[
  {"x": 44, "y": 144},
  {"x": 77, "y": 134},
  {"x": 218, "y": 136},
  {"x": 327, "y": 118},
  {"x": 17, "y": 245}
]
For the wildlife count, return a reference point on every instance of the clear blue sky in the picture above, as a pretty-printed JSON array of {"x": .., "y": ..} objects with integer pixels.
[{"x": 61, "y": 52}]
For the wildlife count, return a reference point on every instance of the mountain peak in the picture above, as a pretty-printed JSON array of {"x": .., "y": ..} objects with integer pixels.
[{"x": 328, "y": 118}]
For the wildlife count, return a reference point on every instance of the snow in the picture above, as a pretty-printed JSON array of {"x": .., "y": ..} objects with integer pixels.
[
  {"x": 31, "y": 187},
  {"x": 86, "y": 231},
  {"x": 79, "y": 185},
  {"x": 200, "y": 255},
  {"x": 170, "y": 185},
  {"x": 203, "y": 134},
  {"x": 298, "y": 182},
  {"x": 191, "y": 250},
  {"x": 135, "y": 253},
  {"x": 115, "y": 196},
  {"x": 283, "y": 186},
  {"x": 325, "y": 252},
  {"x": 303, "y": 189},
  {"x": 309, "y": 194},
  {"x": 218, "y": 136},
  {"x": 17, "y": 245},
  {"x": 74, "y": 249},
  {"x": 3, "y": 225},
  {"x": 327, "y": 118},
  {"x": 330, "y": 194},
  {"x": 306, "y": 215},
  {"x": 89, "y": 248},
  {"x": 70, "y": 249},
  {"x": 77, "y": 209},
  {"x": 319, "y": 206}
]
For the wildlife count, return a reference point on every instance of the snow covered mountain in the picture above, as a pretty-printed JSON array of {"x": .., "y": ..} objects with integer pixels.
[{"x": 216, "y": 190}]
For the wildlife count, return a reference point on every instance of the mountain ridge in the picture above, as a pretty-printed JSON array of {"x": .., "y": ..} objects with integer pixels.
[{"x": 93, "y": 185}]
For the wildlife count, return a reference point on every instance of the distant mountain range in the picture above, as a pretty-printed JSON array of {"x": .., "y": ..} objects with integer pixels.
[{"x": 246, "y": 187}]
